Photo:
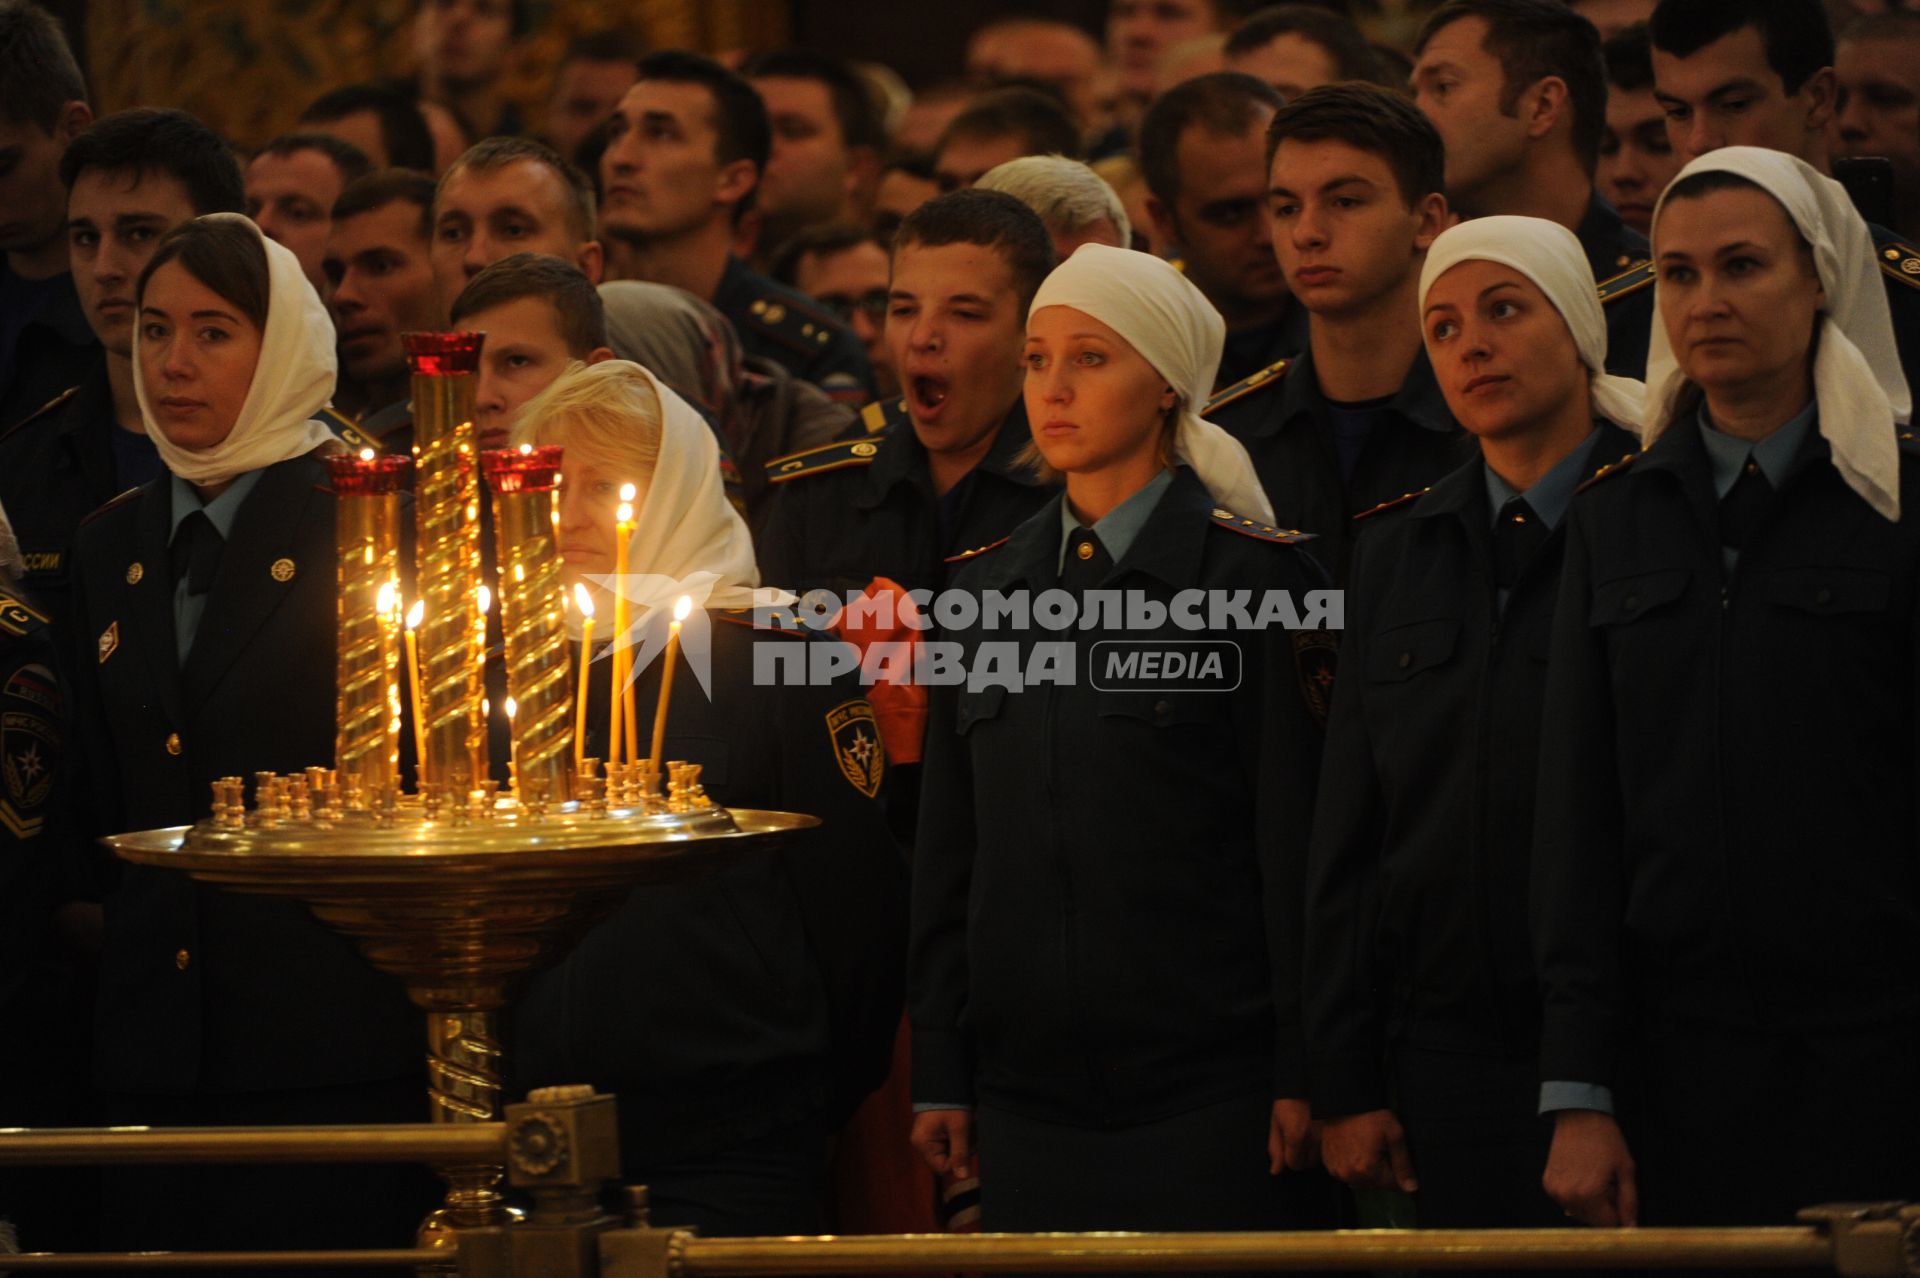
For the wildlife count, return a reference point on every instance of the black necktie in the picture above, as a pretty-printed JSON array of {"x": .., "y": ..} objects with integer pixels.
[
  {"x": 1744, "y": 504},
  {"x": 1517, "y": 534},
  {"x": 1087, "y": 562},
  {"x": 195, "y": 553}
]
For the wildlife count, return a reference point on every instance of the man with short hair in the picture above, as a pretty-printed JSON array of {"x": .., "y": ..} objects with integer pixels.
[
  {"x": 1519, "y": 94},
  {"x": 505, "y": 196},
  {"x": 1140, "y": 33},
  {"x": 906, "y": 183},
  {"x": 1760, "y": 73},
  {"x": 292, "y": 183},
  {"x": 540, "y": 313},
  {"x": 461, "y": 47},
  {"x": 1059, "y": 56},
  {"x": 1357, "y": 419},
  {"x": 379, "y": 269},
  {"x": 844, "y": 268},
  {"x": 45, "y": 343},
  {"x": 998, "y": 126},
  {"x": 131, "y": 178},
  {"x": 938, "y": 472},
  {"x": 1878, "y": 112},
  {"x": 1203, "y": 151},
  {"x": 1636, "y": 156},
  {"x": 384, "y": 122},
  {"x": 1075, "y": 203},
  {"x": 687, "y": 147},
  {"x": 594, "y": 73},
  {"x": 827, "y": 138},
  {"x": 1296, "y": 47}
]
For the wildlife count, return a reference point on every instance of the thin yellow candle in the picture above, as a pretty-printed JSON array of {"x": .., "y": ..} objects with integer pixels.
[
  {"x": 585, "y": 604},
  {"x": 415, "y": 615},
  {"x": 681, "y": 610},
  {"x": 625, "y": 731}
]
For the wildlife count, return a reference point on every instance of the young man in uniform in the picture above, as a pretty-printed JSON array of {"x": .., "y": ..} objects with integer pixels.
[
  {"x": 539, "y": 314},
  {"x": 505, "y": 196},
  {"x": 1518, "y": 92},
  {"x": 292, "y": 183},
  {"x": 688, "y": 145},
  {"x": 827, "y": 138},
  {"x": 938, "y": 473},
  {"x": 1636, "y": 156},
  {"x": 1355, "y": 178},
  {"x": 131, "y": 178}
]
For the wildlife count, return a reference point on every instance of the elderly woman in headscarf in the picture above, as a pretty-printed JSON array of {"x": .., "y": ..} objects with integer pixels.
[
  {"x": 1726, "y": 885},
  {"x": 740, "y": 1018},
  {"x": 1422, "y": 1013},
  {"x": 1103, "y": 977},
  {"x": 760, "y": 410},
  {"x": 205, "y": 628}
]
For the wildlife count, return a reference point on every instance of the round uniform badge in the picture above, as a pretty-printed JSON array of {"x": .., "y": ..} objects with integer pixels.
[
  {"x": 282, "y": 570},
  {"x": 134, "y": 573}
]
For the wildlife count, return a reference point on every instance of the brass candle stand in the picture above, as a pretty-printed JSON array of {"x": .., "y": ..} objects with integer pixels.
[{"x": 533, "y": 620}]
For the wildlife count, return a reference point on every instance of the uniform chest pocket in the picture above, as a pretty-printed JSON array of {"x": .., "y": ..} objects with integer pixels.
[
  {"x": 1163, "y": 709},
  {"x": 978, "y": 707},
  {"x": 1829, "y": 591},
  {"x": 1625, "y": 600},
  {"x": 1404, "y": 651}
]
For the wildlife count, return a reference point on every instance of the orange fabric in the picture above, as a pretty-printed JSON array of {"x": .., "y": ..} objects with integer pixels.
[{"x": 899, "y": 707}]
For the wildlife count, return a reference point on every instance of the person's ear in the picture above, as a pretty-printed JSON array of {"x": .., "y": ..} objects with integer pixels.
[
  {"x": 1545, "y": 106},
  {"x": 598, "y": 355},
  {"x": 1168, "y": 398},
  {"x": 73, "y": 120},
  {"x": 735, "y": 182},
  {"x": 1434, "y": 217},
  {"x": 1821, "y": 92},
  {"x": 591, "y": 258}
]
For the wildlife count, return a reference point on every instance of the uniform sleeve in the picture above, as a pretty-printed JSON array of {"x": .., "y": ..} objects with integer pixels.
[
  {"x": 1578, "y": 881},
  {"x": 1345, "y": 1054},
  {"x": 36, "y": 828},
  {"x": 1287, "y": 750},
  {"x": 781, "y": 545},
  {"x": 94, "y": 803},
  {"x": 942, "y": 876},
  {"x": 850, "y": 878}
]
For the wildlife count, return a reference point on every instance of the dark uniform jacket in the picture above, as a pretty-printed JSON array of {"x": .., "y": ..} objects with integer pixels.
[
  {"x": 781, "y": 324},
  {"x": 52, "y": 351},
  {"x": 1282, "y": 418},
  {"x": 1417, "y": 893},
  {"x": 203, "y": 990},
  {"x": 864, "y": 508},
  {"x": 1900, "y": 271},
  {"x": 1726, "y": 815},
  {"x": 56, "y": 468},
  {"x": 1621, "y": 263},
  {"x": 1106, "y": 883},
  {"x": 724, "y": 1008},
  {"x": 1248, "y": 350}
]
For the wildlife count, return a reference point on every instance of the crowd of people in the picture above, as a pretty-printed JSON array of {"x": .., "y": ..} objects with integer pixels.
[{"x": 1563, "y": 867}]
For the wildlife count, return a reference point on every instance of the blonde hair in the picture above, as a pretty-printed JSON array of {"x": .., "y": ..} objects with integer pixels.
[{"x": 608, "y": 411}]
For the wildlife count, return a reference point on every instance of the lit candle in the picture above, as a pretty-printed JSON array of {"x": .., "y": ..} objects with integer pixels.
[
  {"x": 585, "y": 603},
  {"x": 414, "y": 616},
  {"x": 620, "y": 712},
  {"x": 681, "y": 609}
]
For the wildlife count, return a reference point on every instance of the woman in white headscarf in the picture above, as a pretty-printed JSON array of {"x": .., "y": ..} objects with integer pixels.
[
  {"x": 1103, "y": 980},
  {"x": 1726, "y": 879},
  {"x": 204, "y": 627},
  {"x": 1422, "y": 1013},
  {"x": 779, "y": 977}
]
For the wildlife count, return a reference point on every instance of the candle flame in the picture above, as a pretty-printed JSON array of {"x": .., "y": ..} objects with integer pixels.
[
  {"x": 582, "y": 599},
  {"x": 627, "y": 492},
  {"x": 383, "y": 601},
  {"x": 486, "y": 601},
  {"x": 526, "y": 450},
  {"x": 513, "y": 707},
  {"x": 416, "y": 614},
  {"x": 683, "y": 607},
  {"x": 624, "y": 515},
  {"x": 366, "y": 454}
]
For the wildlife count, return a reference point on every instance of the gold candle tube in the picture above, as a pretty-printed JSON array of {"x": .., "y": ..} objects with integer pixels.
[
  {"x": 532, "y": 598},
  {"x": 367, "y": 536},
  {"x": 447, "y": 554}
]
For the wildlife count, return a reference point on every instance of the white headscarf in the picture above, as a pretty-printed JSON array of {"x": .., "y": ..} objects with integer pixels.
[
  {"x": 11, "y": 560},
  {"x": 1164, "y": 317},
  {"x": 292, "y": 380},
  {"x": 1857, "y": 380},
  {"x": 687, "y": 538},
  {"x": 1549, "y": 255}
]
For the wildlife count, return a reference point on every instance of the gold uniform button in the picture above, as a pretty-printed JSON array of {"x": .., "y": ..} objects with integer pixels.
[
  {"x": 1085, "y": 550},
  {"x": 181, "y": 959},
  {"x": 282, "y": 570},
  {"x": 134, "y": 573},
  {"x": 173, "y": 743}
]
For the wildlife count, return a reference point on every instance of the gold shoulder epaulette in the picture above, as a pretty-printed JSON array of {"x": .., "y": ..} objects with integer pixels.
[
  {"x": 881, "y": 413},
  {"x": 817, "y": 461},
  {"x": 965, "y": 555},
  {"x": 1611, "y": 468},
  {"x": 804, "y": 330},
  {"x": 1901, "y": 261},
  {"x": 1393, "y": 503},
  {"x": 42, "y": 411},
  {"x": 112, "y": 503},
  {"x": 347, "y": 429},
  {"x": 1247, "y": 385},
  {"x": 1258, "y": 531},
  {"x": 16, "y": 618},
  {"x": 1631, "y": 280}
]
